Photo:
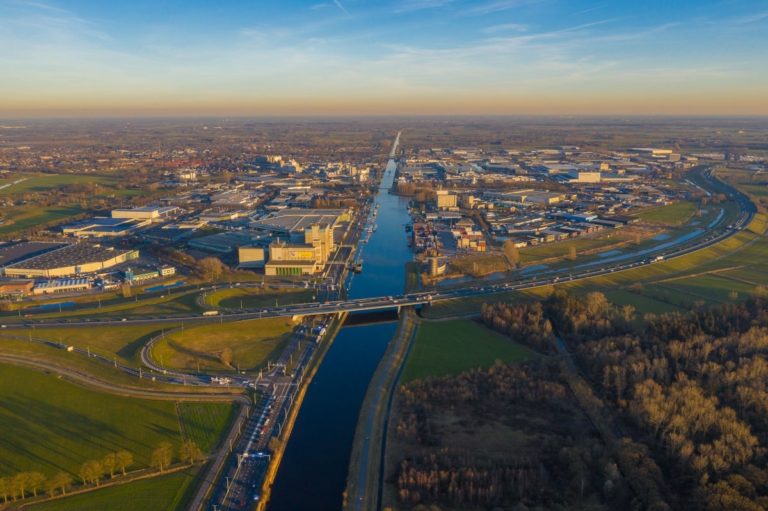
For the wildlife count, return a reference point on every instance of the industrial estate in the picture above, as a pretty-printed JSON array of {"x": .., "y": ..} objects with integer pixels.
[{"x": 183, "y": 321}]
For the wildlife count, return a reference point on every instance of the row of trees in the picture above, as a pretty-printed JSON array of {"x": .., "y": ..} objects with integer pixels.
[
  {"x": 23, "y": 484},
  {"x": 93, "y": 472}
]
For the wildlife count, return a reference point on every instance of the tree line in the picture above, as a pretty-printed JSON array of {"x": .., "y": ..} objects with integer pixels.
[{"x": 93, "y": 472}]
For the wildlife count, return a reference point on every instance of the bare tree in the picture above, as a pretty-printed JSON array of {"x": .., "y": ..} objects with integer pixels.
[
  {"x": 210, "y": 268},
  {"x": 162, "y": 456},
  {"x": 511, "y": 253},
  {"x": 109, "y": 464},
  {"x": 124, "y": 459},
  {"x": 6, "y": 488},
  {"x": 61, "y": 481},
  {"x": 226, "y": 356},
  {"x": 20, "y": 484},
  {"x": 190, "y": 452},
  {"x": 35, "y": 481},
  {"x": 91, "y": 472}
]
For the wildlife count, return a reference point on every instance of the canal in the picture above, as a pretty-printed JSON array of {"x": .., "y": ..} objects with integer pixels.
[{"x": 313, "y": 473}]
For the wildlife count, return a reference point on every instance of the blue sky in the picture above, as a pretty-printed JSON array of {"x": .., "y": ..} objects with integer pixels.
[{"x": 399, "y": 56}]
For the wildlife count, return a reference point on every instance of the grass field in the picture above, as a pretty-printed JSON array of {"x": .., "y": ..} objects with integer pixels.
[
  {"x": 124, "y": 342},
  {"x": 673, "y": 214},
  {"x": 43, "y": 182},
  {"x": 479, "y": 265},
  {"x": 51, "y": 425},
  {"x": 234, "y": 298},
  {"x": 536, "y": 253},
  {"x": 19, "y": 219},
  {"x": 252, "y": 343},
  {"x": 451, "y": 347},
  {"x": 204, "y": 423},
  {"x": 164, "y": 493}
]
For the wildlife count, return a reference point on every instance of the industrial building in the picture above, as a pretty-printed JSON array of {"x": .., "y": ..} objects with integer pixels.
[
  {"x": 61, "y": 286},
  {"x": 292, "y": 259},
  {"x": 11, "y": 253},
  {"x": 302, "y": 259},
  {"x": 251, "y": 257},
  {"x": 446, "y": 199},
  {"x": 101, "y": 227},
  {"x": 151, "y": 213},
  {"x": 74, "y": 259},
  {"x": 534, "y": 197},
  {"x": 293, "y": 222},
  {"x": 227, "y": 242},
  {"x": 15, "y": 287}
]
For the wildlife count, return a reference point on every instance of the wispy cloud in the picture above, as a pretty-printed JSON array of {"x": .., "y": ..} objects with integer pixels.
[
  {"x": 418, "y": 5},
  {"x": 506, "y": 27},
  {"x": 495, "y": 6},
  {"x": 750, "y": 18},
  {"x": 341, "y": 7}
]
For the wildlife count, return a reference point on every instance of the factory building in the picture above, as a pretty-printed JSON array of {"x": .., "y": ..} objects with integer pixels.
[
  {"x": 100, "y": 227},
  {"x": 293, "y": 222},
  {"x": 446, "y": 199},
  {"x": 75, "y": 259},
  {"x": 251, "y": 257},
  {"x": 151, "y": 213},
  {"x": 582, "y": 176},
  {"x": 302, "y": 258}
]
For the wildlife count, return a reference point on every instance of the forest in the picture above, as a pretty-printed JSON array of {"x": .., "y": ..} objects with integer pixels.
[
  {"x": 690, "y": 387},
  {"x": 506, "y": 437}
]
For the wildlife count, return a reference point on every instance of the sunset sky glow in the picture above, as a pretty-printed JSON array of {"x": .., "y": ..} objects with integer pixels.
[{"x": 390, "y": 57}]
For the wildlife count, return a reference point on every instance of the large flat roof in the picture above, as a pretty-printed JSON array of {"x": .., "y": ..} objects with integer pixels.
[
  {"x": 296, "y": 219},
  {"x": 15, "y": 252},
  {"x": 70, "y": 255}
]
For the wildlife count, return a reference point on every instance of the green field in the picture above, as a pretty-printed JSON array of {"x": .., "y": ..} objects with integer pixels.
[
  {"x": 124, "y": 342},
  {"x": 204, "y": 423},
  {"x": 672, "y": 214},
  {"x": 252, "y": 343},
  {"x": 164, "y": 493},
  {"x": 19, "y": 219},
  {"x": 151, "y": 305},
  {"x": 532, "y": 255},
  {"x": 249, "y": 298},
  {"x": 43, "y": 182},
  {"x": 444, "y": 348},
  {"x": 51, "y": 425}
]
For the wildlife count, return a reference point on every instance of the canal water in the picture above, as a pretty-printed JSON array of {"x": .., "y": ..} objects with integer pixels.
[{"x": 313, "y": 472}]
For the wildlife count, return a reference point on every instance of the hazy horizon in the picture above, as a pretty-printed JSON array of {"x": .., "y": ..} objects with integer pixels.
[{"x": 75, "y": 58}]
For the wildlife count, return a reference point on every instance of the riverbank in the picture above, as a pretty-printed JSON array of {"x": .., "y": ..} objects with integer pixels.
[
  {"x": 365, "y": 464},
  {"x": 277, "y": 455}
]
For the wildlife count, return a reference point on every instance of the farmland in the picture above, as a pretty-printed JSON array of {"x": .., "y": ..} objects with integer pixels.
[
  {"x": 450, "y": 347},
  {"x": 164, "y": 493},
  {"x": 670, "y": 215},
  {"x": 27, "y": 217},
  {"x": 52, "y": 425}
]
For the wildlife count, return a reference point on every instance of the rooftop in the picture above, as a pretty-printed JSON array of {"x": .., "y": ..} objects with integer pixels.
[{"x": 71, "y": 255}]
